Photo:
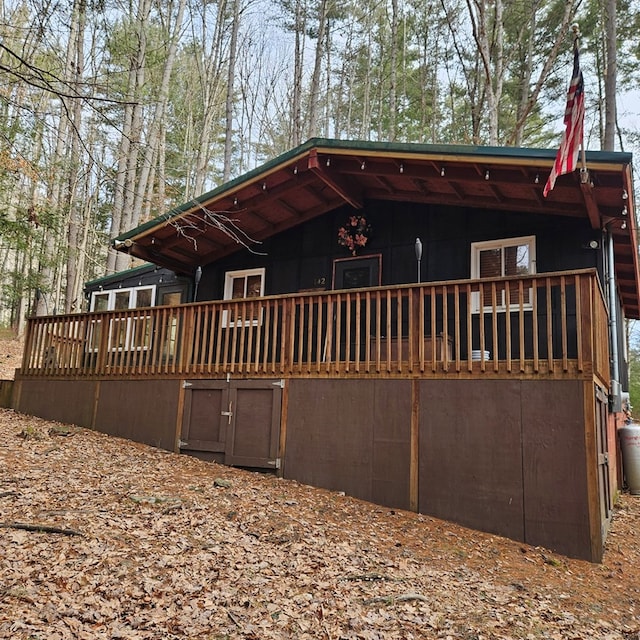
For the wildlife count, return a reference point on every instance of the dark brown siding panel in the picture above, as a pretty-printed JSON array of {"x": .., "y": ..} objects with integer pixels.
[
  {"x": 556, "y": 501},
  {"x": 470, "y": 454},
  {"x": 69, "y": 401},
  {"x": 351, "y": 436},
  {"x": 141, "y": 410}
]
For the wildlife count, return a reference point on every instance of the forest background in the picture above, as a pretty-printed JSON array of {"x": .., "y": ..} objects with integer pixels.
[{"x": 113, "y": 112}]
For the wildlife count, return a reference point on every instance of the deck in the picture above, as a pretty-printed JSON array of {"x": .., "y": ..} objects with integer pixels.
[{"x": 552, "y": 325}]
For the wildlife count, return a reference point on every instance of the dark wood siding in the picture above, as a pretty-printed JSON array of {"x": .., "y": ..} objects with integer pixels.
[
  {"x": 470, "y": 454},
  {"x": 297, "y": 258},
  {"x": 142, "y": 410},
  {"x": 351, "y": 436},
  {"x": 553, "y": 450},
  {"x": 70, "y": 401}
]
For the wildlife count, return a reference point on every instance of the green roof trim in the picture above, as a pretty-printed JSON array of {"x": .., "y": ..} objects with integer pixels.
[
  {"x": 120, "y": 275},
  {"x": 409, "y": 148}
]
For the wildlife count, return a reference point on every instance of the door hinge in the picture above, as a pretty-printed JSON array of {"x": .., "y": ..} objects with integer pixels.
[
  {"x": 182, "y": 444},
  {"x": 186, "y": 384},
  {"x": 278, "y": 383},
  {"x": 274, "y": 463}
]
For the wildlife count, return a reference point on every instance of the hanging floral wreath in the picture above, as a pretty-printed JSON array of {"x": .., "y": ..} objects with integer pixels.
[{"x": 354, "y": 234}]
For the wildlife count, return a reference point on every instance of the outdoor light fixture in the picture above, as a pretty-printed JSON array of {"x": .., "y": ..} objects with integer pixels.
[
  {"x": 593, "y": 244},
  {"x": 363, "y": 165},
  {"x": 264, "y": 186},
  {"x": 624, "y": 224},
  {"x": 442, "y": 171},
  {"x": 486, "y": 174},
  {"x": 624, "y": 210},
  {"x": 295, "y": 170},
  {"x": 197, "y": 276},
  {"x": 235, "y": 201},
  {"x": 328, "y": 162},
  {"x": 401, "y": 168},
  {"x": 537, "y": 179},
  {"x": 625, "y": 195},
  {"x": 418, "y": 248}
]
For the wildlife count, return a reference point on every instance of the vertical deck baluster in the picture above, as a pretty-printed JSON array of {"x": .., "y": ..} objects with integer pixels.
[
  {"x": 291, "y": 334},
  {"x": 549, "y": 293},
  {"x": 507, "y": 323},
  {"x": 338, "y": 332},
  {"x": 319, "y": 302},
  {"x": 522, "y": 344},
  {"x": 444, "y": 344},
  {"x": 481, "y": 327},
  {"x": 563, "y": 312},
  {"x": 470, "y": 295},
  {"x": 301, "y": 306},
  {"x": 456, "y": 326},
  {"x": 536, "y": 334},
  {"x": 494, "y": 326},
  {"x": 401, "y": 354},
  {"x": 368, "y": 336},
  {"x": 579, "y": 354},
  {"x": 347, "y": 332},
  {"x": 358, "y": 302},
  {"x": 378, "y": 316}
]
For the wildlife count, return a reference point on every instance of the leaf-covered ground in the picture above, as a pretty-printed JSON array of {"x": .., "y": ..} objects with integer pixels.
[{"x": 148, "y": 544}]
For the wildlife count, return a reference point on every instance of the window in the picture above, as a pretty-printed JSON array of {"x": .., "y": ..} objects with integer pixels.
[
  {"x": 121, "y": 299},
  {"x": 128, "y": 332},
  {"x": 502, "y": 258},
  {"x": 240, "y": 285}
]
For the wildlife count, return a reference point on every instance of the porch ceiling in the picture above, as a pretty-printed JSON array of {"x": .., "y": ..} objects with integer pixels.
[{"x": 322, "y": 175}]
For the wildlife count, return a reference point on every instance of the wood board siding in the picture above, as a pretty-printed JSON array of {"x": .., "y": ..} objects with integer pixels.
[
  {"x": 70, "y": 401},
  {"x": 555, "y": 465},
  {"x": 512, "y": 457},
  {"x": 353, "y": 437},
  {"x": 470, "y": 461},
  {"x": 141, "y": 410}
]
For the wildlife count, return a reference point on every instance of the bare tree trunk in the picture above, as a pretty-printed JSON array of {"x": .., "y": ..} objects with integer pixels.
[
  {"x": 393, "y": 73},
  {"x": 610, "y": 77},
  {"x": 144, "y": 187},
  {"x": 317, "y": 70},
  {"x": 130, "y": 139},
  {"x": 211, "y": 81},
  {"x": 75, "y": 72},
  {"x": 229, "y": 102}
]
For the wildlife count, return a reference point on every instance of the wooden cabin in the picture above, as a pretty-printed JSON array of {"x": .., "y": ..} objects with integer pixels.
[{"x": 414, "y": 325}]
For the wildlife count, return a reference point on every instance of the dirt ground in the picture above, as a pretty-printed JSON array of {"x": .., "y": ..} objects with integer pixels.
[
  {"x": 10, "y": 356},
  {"x": 102, "y": 538}
]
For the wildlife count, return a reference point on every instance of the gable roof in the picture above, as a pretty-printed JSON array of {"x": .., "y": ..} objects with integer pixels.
[{"x": 324, "y": 174}]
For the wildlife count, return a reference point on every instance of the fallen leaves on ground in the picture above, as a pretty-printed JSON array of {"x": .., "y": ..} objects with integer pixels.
[{"x": 137, "y": 543}]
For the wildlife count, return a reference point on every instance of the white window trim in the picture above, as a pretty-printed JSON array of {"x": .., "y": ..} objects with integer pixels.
[
  {"x": 477, "y": 247},
  {"x": 228, "y": 292},
  {"x": 132, "y": 323},
  {"x": 111, "y": 299}
]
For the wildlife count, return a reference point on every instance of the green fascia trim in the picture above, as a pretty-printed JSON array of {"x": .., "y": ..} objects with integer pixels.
[
  {"x": 120, "y": 274},
  {"x": 596, "y": 157}
]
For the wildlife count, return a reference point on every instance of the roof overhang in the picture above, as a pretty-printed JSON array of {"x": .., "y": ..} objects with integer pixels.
[{"x": 322, "y": 175}]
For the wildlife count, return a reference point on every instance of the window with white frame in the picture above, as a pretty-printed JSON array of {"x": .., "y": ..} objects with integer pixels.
[
  {"x": 241, "y": 285},
  {"x": 126, "y": 333},
  {"x": 121, "y": 299},
  {"x": 498, "y": 259}
]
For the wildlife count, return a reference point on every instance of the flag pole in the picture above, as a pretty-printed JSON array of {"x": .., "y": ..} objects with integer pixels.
[{"x": 584, "y": 173}]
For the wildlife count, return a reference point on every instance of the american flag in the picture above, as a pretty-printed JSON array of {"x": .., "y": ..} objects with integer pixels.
[{"x": 567, "y": 157}]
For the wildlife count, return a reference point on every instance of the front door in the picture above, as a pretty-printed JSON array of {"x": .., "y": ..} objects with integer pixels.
[{"x": 236, "y": 423}]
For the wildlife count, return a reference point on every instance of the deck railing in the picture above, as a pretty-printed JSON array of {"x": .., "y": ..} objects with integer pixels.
[{"x": 551, "y": 324}]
